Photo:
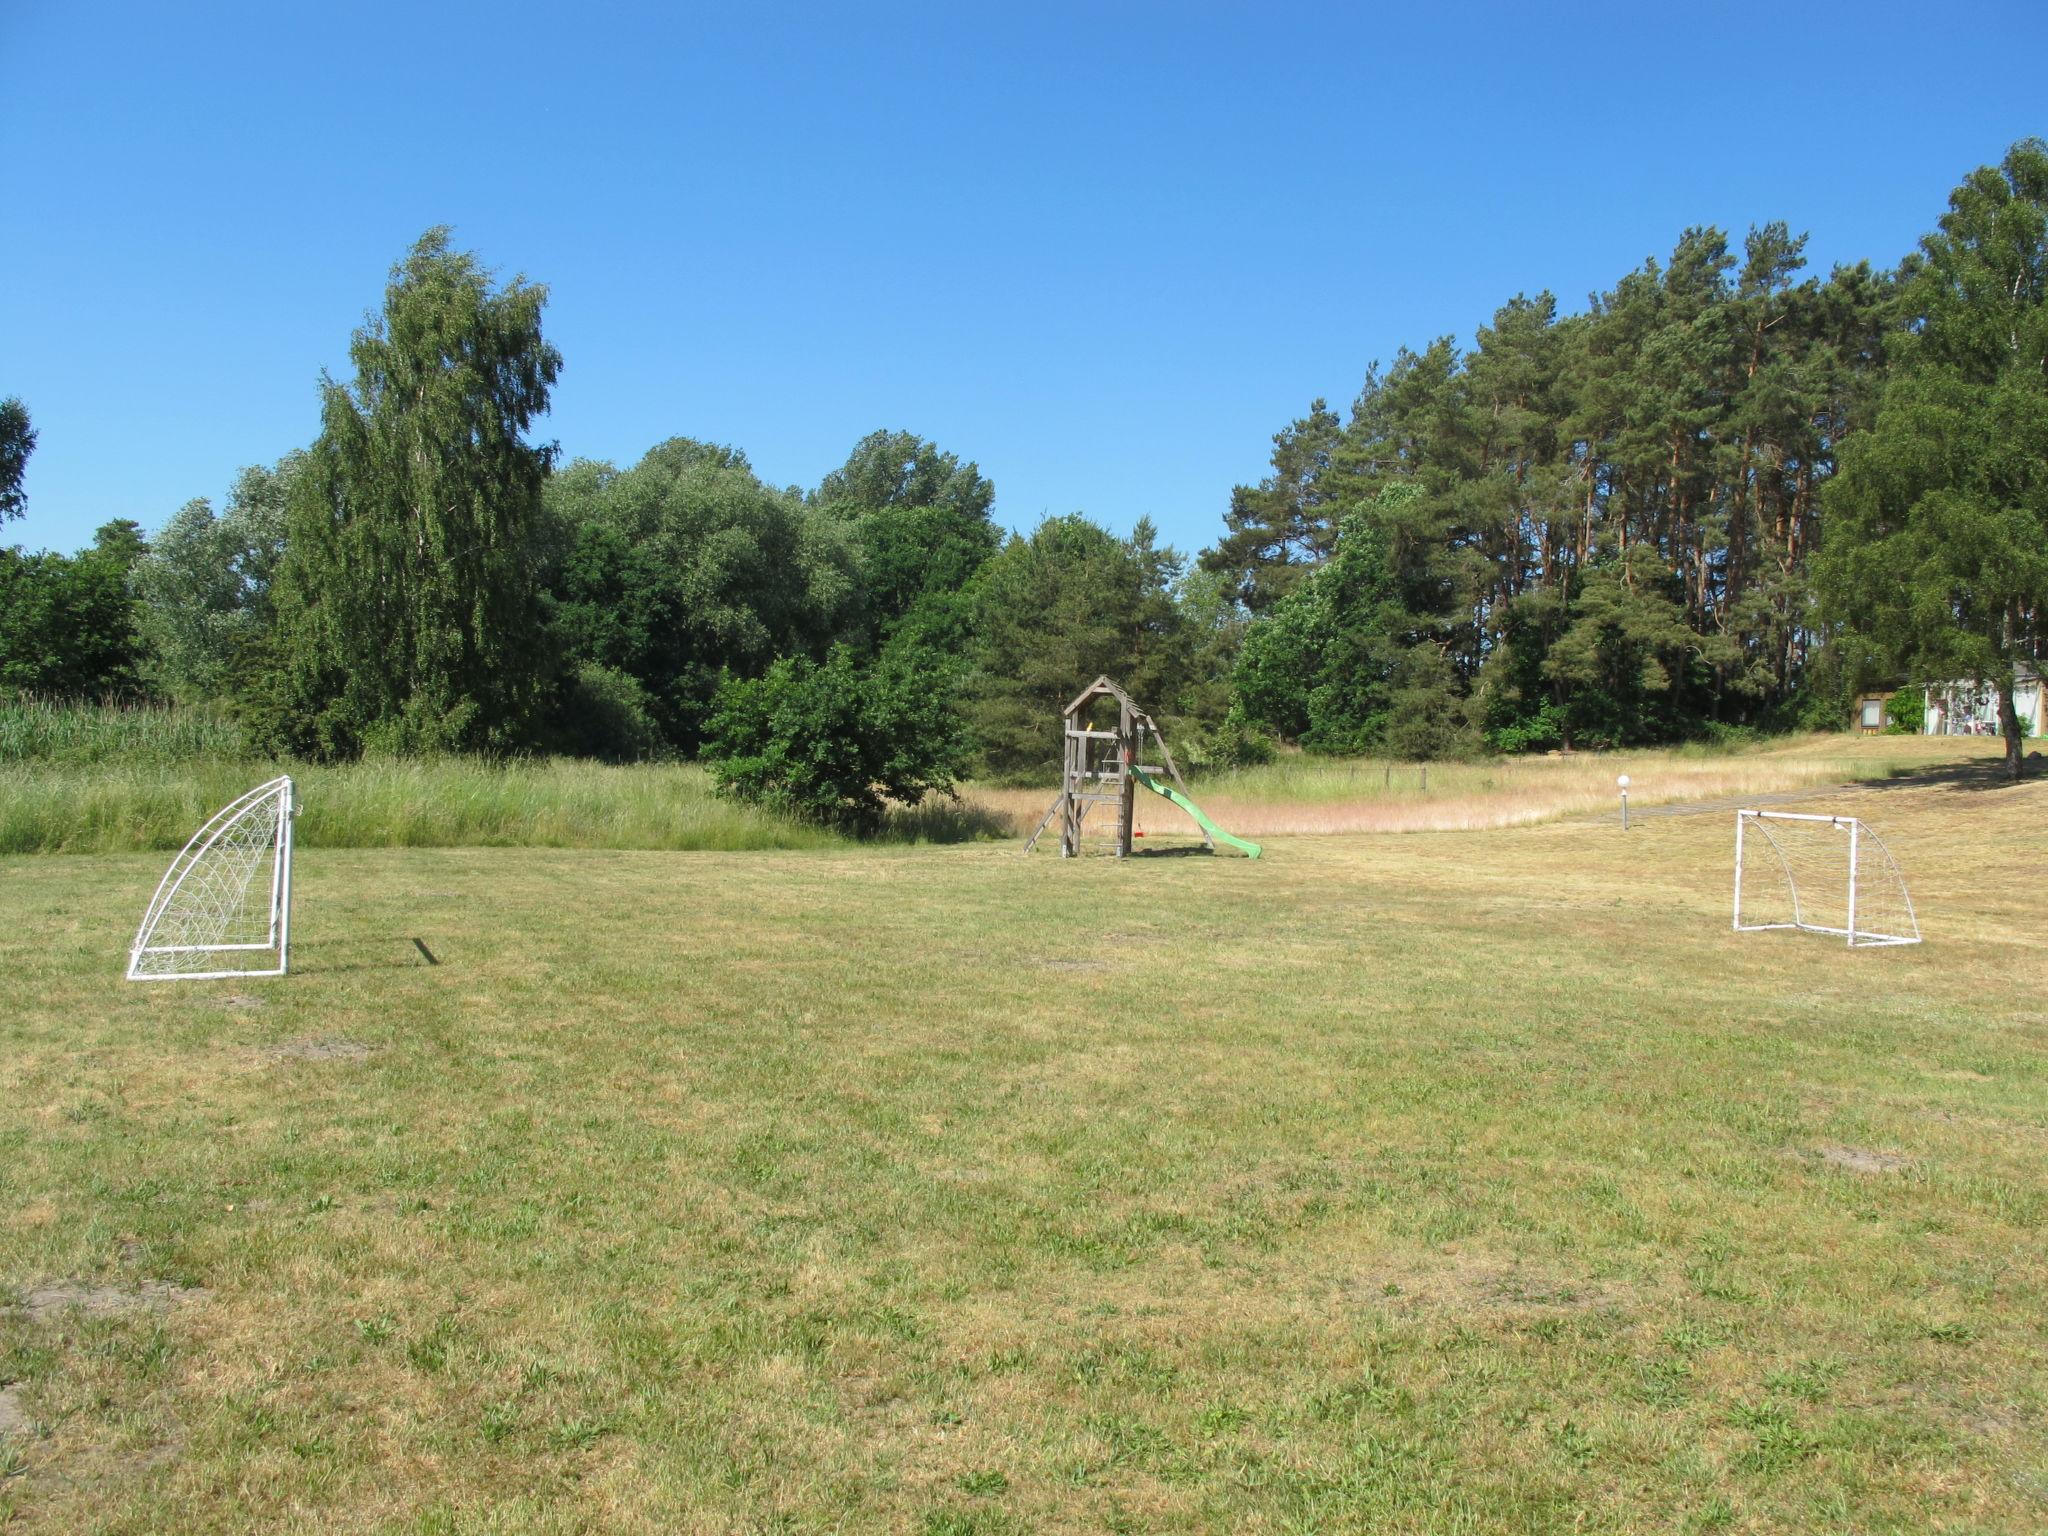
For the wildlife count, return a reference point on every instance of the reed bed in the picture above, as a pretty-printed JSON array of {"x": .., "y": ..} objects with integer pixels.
[{"x": 75, "y": 734}]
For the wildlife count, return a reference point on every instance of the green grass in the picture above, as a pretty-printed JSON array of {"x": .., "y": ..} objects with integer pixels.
[{"x": 1446, "y": 1182}]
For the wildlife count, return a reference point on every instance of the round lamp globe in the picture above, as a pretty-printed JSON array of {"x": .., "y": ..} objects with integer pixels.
[{"x": 1622, "y": 780}]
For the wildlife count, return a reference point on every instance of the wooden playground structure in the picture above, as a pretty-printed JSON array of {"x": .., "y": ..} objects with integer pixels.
[{"x": 1104, "y": 764}]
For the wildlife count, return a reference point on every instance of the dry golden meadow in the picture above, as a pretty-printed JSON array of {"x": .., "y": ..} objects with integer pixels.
[{"x": 1455, "y": 1181}]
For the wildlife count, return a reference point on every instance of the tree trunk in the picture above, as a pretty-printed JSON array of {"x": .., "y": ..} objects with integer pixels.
[{"x": 2009, "y": 727}]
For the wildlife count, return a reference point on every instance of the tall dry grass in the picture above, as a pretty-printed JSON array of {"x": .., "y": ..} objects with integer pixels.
[{"x": 1310, "y": 795}]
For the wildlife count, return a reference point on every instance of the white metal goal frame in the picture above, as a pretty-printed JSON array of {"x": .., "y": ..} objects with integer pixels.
[
  {"x": 1866, "y": 922},
  {"x": 209, "y": 912}
]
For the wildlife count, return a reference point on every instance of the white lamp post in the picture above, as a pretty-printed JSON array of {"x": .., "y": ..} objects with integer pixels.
[{"x": 1622, "y": 781}]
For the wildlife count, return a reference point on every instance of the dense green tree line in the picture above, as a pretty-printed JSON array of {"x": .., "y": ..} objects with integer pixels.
[
  {"x": 1722, "y": 495},
  {"x": 1606, "y": 517}
]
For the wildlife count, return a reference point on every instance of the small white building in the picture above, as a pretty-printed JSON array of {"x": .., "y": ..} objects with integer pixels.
[{"x": 1971, "y": 708}]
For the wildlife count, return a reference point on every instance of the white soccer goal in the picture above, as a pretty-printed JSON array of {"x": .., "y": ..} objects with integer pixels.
[
  {"x": 1822, "y": 874},
  {"x": 224, "y": 907}
]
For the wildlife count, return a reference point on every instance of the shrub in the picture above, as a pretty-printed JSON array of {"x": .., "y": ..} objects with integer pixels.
[
  {"x": 1530, "y": 733},
  {"x": 1908, "y": 711},
  {"x": 607, "y": 714},
  {"x": 835, "y": 742},
  {"x": 1234, "y": 742}
]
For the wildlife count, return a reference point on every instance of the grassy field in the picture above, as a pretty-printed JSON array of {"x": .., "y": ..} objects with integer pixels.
[{"x": 1466, "y": 1181}]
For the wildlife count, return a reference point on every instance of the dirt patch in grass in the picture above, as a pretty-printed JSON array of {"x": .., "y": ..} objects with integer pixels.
[
  {"x": 318, "y": 1048},
  {"x": 241, "y": 1000},
  {"x": 162, "y": 1454},
  {"x": 52, "y": 1300},
  {"x": 13, "y": 1414},
  {"x": 1862, "y": 1159}
]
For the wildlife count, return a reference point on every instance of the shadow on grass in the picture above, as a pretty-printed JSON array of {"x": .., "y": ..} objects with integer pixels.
[
  {"x": 371, "y": 952},
  {"x": 942, "y": 820},
  {"x": 1969, "y": 773}
]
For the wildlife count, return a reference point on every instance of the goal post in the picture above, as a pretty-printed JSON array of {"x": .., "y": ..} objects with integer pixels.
[
  {"x": 224, "y": 907},
  {"x": 1820, "y": 874}
]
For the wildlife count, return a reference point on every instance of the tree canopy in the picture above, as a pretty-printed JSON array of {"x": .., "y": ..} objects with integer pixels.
[
  {"x": 17, "y": 442},
  {"x": 919, "y": 523},
  {"x": 1068, "y": 601},
  {"x": 409, "y": 595},
  {"x": 1937, "y": 550},
  {"x": 686, "y": 567},
  {"x": 204, "y": 586},
  {"x": 67, "y": 622}
]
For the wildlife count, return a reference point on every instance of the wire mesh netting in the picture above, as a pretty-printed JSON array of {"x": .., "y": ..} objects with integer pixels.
[
  {"x": 1821, "y": 874},
  {"x": 220, "y": 908}
]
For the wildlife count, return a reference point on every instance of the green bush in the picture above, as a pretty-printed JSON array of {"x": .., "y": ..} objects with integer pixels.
[
  {"x": 1530, "y": 733},
  {"x": 1233, "y": 742},
  {"x": 1908, "y": 711},
  {"x": 608, "y": 714},
  {"x": 834, "y": 743}
]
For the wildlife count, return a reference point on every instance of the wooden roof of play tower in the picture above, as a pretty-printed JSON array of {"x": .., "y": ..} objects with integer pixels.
[{"x": 1095, "y": 690}]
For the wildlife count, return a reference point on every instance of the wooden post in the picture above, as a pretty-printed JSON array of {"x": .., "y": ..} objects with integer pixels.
[
  {"x": 1071, "y": 770},
  {"x": 1126, "y": 748}
]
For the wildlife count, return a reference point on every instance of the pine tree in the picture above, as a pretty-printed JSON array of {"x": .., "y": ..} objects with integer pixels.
[
  {"x": 1282, "y": 528},
  {"x": 1937, "y": 546}
]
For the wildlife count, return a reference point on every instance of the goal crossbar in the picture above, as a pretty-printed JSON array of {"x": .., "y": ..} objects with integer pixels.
[{"x": 1851, "y": 889}]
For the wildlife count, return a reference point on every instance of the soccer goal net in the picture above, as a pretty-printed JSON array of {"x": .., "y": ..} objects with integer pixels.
[
  {"x": 224, "y": 907},
  {"x": 1823, "y": 874}
]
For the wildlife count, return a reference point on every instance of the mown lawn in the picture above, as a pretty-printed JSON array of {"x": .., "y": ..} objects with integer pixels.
[{"x": 1448, "y": 1182}]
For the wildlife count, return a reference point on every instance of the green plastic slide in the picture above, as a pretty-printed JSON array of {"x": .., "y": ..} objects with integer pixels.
[{"x": 1249, "y": 850}]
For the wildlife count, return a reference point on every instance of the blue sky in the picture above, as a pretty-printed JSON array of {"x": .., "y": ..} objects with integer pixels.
[{"x": 1104, "y": 250}]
